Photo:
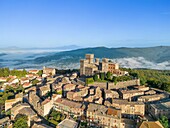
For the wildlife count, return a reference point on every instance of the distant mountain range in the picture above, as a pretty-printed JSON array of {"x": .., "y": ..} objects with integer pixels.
[
  {"x": 154, "y": 54},
  {"x": 64, "y": 58},
  {"x": 70, "y": 47},
  {"x": 2, "y": 54}
]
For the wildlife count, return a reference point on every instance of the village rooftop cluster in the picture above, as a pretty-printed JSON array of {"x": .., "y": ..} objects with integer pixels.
[{"x": 125, "y": 104}]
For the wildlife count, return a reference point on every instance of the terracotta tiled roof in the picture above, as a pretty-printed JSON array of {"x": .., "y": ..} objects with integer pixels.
[
  {"x": 113, "y": 112},
  {"x": 45, "y": 101},
  {"x": 69, "y": 103},
  {"x": 3, "y": 78},
  {"x": 33, "y": 71},
  {"x": 26, "y": 84},
  {"x": 69, "y": 86},
  {"x": 151, "y": 124}
]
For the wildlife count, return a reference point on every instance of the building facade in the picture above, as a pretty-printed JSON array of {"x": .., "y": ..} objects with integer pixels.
[
  {"x": 159, "y": 108},
  {"x": 129, "y": 109},
  {"x": 102, "y": 116},
  {"x": 88, "y": 66},
  {"x": 69, "y": 107}
]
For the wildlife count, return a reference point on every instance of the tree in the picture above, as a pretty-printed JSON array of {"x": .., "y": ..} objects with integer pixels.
[
  {"x": 18, "y": 73},
  {"x": 95, "y": 77},
  {"x": 24, "y": 72},
  {"x": 55, "y": 117},
  {"x": 114, "y": 79},
  {"x": 9, "y": 89},
  {"x": 89, "y": 80},
  {"x": 168, "y": 87},
  {"x": 59, "y": 92},
  {"x": 20, "y": 121},
  {"x": 164, "y": 121},
  {"x": 134, "y": 74},
  {"x": 108, "y": 75},
  {"x": 40, "y": 72},
  {"x": 34, "y": 82},
  {"x": 142, "y": 81},
  {"x": 19, "y": 89},
  {"x": 102, "y": 76},
  {"x": 4, "y": 72},
  {"x": 2, "y": 101},
  {"x": 153, "y": 78},
  {"x": 8, "y": 113},
  {"x": 10, "y": 95}
]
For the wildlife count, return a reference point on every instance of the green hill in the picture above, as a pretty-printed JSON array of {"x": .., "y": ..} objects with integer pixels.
[{"x": 154, "y": 54}]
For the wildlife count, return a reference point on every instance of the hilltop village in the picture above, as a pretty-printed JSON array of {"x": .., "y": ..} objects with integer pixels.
[{"x": 94, "y": 96}]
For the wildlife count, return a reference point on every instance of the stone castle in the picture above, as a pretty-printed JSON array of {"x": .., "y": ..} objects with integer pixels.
[{"x": 89, "y": 67}]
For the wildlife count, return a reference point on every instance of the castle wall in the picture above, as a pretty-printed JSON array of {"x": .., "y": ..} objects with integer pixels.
[{"x": 118, "y": 85}]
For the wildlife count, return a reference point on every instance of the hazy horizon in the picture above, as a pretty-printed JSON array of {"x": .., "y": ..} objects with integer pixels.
[
  {"x": 29, "y": 59},
  {"x": 80, "y": 47}
]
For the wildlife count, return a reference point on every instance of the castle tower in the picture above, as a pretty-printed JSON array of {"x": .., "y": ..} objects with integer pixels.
[
  {"x": 83, "y": 64},
  {"x": 97, "y": 61},
  {"x": 105, "y": 60},
  {"x": 104, "y": 65},
  {"x": 90, "y": 58},
  {"x": 116, "y": 66}
]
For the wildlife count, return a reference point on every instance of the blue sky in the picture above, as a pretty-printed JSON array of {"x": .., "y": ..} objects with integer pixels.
[{"x": 113, "y": 23}]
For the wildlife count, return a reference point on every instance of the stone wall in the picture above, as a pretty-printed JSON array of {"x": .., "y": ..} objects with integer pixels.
[{"x": 111, "y": 85}]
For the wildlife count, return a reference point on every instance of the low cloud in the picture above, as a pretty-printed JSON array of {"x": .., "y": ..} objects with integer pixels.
[
  {"x": 140, "y": 62},
  {"x": 23, "y": 61}
]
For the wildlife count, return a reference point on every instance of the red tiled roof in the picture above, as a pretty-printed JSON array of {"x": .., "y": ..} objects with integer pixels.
[
  {"x": 113, "y": 112},
  {"x": 26, "y": 84},
  {"x": 45, "y": 101}
]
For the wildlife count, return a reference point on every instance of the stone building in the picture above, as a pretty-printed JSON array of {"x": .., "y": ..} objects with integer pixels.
[
  {"x": 129, "y": 109},
  {"x": 40, "y": 125},
  {"x": 88, "y": 66},
  {"x": 43, "y": 90},
  {"x": 67, "y": 123},
  {"x": 46, "y": 105},
  {"x": 70, "y": 95},
  {"x": 128, "y": 123},
  {"x": 69, "y": 87},
  {"x": 111, "y": 94},
  {"x": 4, "y": 122},
  {"x": 141, "y": 88},
  {"x": 69, "y": 107},
  {"x": 103, "y": 116},
  {"x": 25, "y": 109},
  {"x": 128, "y": 94},
  {"x": 10, "y": 103},
  {"x": 77, "y": 96},
  {"x": 150, "y": 98},
  {"x": 98, "y": 92},
  {"x": 159, "y": 108},
  {"x": 42, "y": 107},
  {"x": 49, "y": 71},
  {"x": 151, "y": 124}
]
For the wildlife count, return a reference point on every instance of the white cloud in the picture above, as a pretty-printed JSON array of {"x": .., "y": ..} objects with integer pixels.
[
  {"x": 23, "y": 60},
  {"x": 140, "y": 62}
]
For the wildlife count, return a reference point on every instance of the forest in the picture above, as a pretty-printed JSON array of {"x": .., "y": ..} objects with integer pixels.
[
  {"x": 5, "y": 72},
  {"x": 153, "y": 78},
  {"x": 159, "y": 79}
]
